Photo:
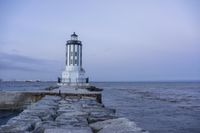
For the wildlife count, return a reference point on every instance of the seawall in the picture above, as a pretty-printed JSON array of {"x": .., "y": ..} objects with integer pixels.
[
  {"x": 14, "y": 100},
  {"x": 17, "y": 100},
  {"x": 66, "y": 111}
]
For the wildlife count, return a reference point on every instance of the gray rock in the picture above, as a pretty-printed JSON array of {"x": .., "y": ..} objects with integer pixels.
[
  {"x": 42, "y": 126},
  {"x": 74, "y": 114},
  {"x": 75, "y": 119},
  {"x": 72, "y": 99},
  {"x": 69, "y": 108},
  {"x": 119, "y": 125},
  {"x": 43, "y": 114},
  {"x": 22, "y": 128},
  {"x": 23, "y": 122},
  {"x": 64, "y": 110},
  {"x": 44, "y": 105},
  {"x": 100, "y": 114},
  {"x": 69, "y": 130},
  {"x": 54, "y": 98}
]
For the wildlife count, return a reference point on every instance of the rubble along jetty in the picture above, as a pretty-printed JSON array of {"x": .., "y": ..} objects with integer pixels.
[{"x": 69, "y": 114}]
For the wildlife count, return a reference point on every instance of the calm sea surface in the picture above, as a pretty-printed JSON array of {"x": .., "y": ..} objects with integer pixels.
[{"x": 160, "y": 107}]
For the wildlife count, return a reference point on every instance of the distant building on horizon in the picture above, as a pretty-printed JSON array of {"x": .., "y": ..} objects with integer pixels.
[{"x": 74, "y": 74}]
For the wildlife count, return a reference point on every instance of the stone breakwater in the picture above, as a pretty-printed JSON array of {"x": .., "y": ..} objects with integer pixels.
[{"x": 54, "y": 114}]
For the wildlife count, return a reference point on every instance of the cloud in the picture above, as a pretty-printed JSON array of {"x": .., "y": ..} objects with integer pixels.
[
  {"x": 19, "y": 58},
  {"x": 13, "y": 64},
  {"x": 7, "y": 66},
  {"x": 20, "y": 62}
]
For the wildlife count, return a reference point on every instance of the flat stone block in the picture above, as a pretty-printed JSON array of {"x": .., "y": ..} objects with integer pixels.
[{"x": 70, "y": 130}]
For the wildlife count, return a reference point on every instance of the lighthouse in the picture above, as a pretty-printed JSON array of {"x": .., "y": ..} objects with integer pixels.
[{"x": 74, "y": 74}]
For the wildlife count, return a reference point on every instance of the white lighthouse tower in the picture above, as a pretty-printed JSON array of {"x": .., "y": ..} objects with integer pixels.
[{"x": 73, "y": 74}]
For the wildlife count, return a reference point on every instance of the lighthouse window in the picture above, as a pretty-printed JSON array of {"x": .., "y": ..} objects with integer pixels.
[
  {"x": 76, "y": 53},
  {"x": 75, "y": 61}
]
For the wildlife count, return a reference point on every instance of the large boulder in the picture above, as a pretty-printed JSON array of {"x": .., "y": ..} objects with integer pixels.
[
  {"x": 119, "y": 125},
  {"x": 75, "y": 119},
  {"x": 22, "y": 128},
  {"x": 43, "y": 114},
  {"x": 21, "y": 123},
  {"x": 100, "y": 114}
]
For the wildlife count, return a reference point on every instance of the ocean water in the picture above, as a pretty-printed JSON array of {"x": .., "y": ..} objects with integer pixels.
[{"x": 160, "y": 107}]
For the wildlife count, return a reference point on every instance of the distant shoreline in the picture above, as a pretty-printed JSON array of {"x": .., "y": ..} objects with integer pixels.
[{"x": 164, "y": 81}]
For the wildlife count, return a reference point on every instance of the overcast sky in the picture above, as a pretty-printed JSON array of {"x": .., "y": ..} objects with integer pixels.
[{"x": 123, "y": 40}]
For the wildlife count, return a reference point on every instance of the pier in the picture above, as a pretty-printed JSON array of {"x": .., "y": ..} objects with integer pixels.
[{"x": 62, "y": 110}]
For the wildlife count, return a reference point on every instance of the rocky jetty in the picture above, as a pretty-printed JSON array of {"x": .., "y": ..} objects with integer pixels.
[{"x": 54, "y": 114}]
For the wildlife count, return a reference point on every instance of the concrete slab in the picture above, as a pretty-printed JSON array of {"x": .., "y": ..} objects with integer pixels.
[{"x": 20, "y": 99}]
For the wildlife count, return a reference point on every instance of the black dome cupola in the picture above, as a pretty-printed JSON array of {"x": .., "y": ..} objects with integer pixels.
[
  {"x": 74, "y": 36},
  {"x": 74, "y": 40}
]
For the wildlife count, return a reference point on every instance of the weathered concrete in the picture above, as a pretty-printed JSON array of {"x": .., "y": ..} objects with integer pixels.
[
  {"x": 20, "y": 99},
  {"x": 10, "y": 100}
]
